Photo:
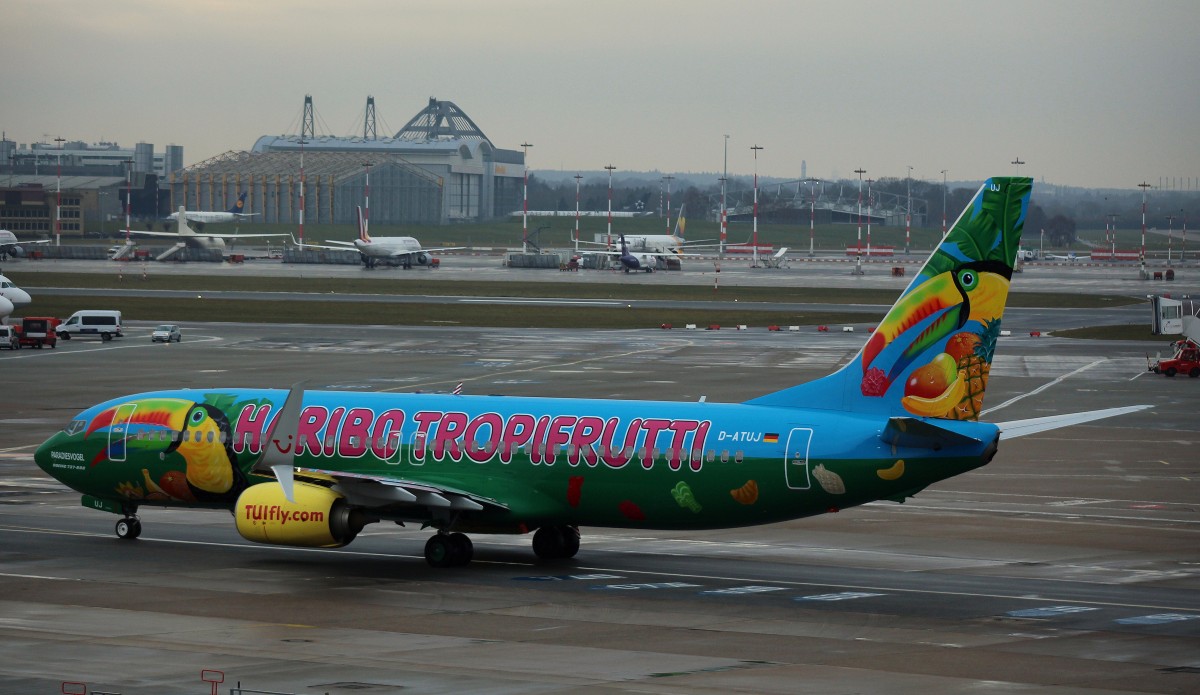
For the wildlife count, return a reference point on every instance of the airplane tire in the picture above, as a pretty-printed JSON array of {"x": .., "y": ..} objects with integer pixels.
[
  {"x": 461, "y": 549},
  {"x": 570, "y": 536},
  {"x": 129, "y": 528},
  {"x": 548, "y": 543},
  {"x": 439, "y": 552}
]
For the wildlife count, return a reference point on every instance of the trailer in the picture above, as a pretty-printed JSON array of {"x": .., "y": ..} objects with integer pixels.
[{"x": 36, "y": 331}]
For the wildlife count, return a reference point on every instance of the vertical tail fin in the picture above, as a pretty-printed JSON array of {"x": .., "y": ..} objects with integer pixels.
[
  {"x": 680, "y": 224},
  {"x": 239, "y": 206},
  {"x": 362, "y": 226},
  {"x": 932, "y": 353}
]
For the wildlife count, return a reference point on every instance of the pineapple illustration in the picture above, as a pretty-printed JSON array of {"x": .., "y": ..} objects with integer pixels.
[{"x": 974, "y": 355}]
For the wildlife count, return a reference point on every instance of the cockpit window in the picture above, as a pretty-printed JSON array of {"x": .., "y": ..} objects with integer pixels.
[{"x": 75, "y": 427}]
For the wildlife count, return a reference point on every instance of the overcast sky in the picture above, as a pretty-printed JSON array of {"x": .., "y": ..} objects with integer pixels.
[{"x": 1100, "y": 93}]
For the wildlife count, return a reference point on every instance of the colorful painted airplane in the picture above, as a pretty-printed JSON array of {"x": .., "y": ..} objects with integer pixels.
[{"x": 312, "y": 468}]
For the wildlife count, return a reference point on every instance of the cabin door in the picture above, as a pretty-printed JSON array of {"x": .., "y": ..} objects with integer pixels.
[{"x": 795, "y": 459}]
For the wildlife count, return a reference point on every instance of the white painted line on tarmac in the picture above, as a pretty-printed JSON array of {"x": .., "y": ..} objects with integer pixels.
[{"x": 1043, "y": 387}]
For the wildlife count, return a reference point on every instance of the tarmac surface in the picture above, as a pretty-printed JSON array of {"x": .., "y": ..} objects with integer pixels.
[{"x": 1070, "y": 564}]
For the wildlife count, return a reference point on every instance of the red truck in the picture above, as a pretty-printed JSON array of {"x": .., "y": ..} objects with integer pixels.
[
  {"x": 1186, "y": 360},
  {"x": 36, "y": 331}
]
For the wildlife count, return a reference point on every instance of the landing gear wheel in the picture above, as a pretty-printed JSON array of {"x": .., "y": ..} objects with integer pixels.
[
  {"x": 570, "y": 536},
  {"x": 548, "y": 542},
  {"x": 129, "y": 528},
  {"x": 461, "y": 549},
  {"x": 438, "y": 551}
]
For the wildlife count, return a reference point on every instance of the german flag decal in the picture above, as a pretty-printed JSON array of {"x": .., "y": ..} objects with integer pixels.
[{"x": 771, "y": 438}]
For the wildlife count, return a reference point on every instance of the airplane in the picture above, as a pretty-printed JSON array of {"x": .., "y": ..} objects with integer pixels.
[
  {"x": 661, "y": 244},
  {"x": 233, "y": 214},
  {"x": 632, "y": 261},
  {"x": 11, "y": 246},
  {"x": 312, "y": 468},
  {"x": 1070, "y": 256},
  {"x": 206, "y": 240},
  {"x": 403, "y": 251},
  {"x": 11, "y": 297}
]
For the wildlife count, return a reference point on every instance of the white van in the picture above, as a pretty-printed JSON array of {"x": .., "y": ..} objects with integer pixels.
[{"x": 106, "y": 324}]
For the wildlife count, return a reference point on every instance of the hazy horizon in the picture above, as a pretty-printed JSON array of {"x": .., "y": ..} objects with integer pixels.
[{"x": 1100, "y": 94}]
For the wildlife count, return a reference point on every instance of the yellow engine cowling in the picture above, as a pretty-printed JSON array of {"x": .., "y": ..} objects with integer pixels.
[{"x": 319, "y": 518}]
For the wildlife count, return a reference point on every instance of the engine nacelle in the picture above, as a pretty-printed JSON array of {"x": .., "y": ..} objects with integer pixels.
[
  {"x": 16, "y": 251},
  {"x": 422, "y": 259},
  {"x": 319, "y": 518}
]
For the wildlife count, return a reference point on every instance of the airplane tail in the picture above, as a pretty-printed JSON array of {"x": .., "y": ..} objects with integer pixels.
[
  {"x": 362, "y": 226},
  {"x": 680, "y": 224},
  {"x": 239, "y": 206},
  {"x": 932, "y": 353}
]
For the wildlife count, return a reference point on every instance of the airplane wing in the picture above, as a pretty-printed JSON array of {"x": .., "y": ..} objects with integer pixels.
[
  {"x": 1022, "y": 428},
  {"x": 424, "y": 250},
  {"x": 372, "y": 491},
  {"x": 175, "y": 235},
  {"x": 342, "y": 245}
]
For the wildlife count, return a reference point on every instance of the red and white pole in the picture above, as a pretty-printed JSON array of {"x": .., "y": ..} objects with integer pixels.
[{"x": 610, "y": 171}]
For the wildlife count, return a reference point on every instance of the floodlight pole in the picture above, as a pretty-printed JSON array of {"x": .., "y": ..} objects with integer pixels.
[
  {"x": 755, "y": 149},
  {"x": 129, "y": 196},
  {"x": 303, "y": 142},
  {"x": 669, "y": 179},
  {"x": 724, "y": 207},
  {"x": 907, "y": 217},
  {"x": 525, "y": 200},
  {"x": 860, "y": 171},
  {"x": 1170, "y": 233},
  {"x": 610, "y": 169},
  {"x": 812, "y": 217},
  {"x": 1183, "y": 252},
  {"x": 58, "y": 191},
  {"x": 1017, "y": 163},
  {"x": 367, "y": 208},
  {"x": 1143, "y": 185},
  {"x": 869, "y": 206},
  {"x": 944, "y": 201},
  {"x": 577, "y": 179}
]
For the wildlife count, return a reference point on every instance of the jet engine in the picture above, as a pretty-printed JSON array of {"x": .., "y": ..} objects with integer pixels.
[
  {"x": 319, "y": 518},
  {"x": 422, "y": 258},
  {"x": 16, "y": 251}
]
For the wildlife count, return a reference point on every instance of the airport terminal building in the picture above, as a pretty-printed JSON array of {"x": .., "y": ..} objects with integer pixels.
[{"x": 439, "y": 168}]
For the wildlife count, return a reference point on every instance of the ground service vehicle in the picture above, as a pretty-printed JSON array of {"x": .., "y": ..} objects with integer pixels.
[
  {"x": 166, "y": 333},
  {"x": 104, "y": 323},
  {"x": 1185, "y": 360},
  {"x": 37, "y": 331},
  {"x": 8, "y": 338}
]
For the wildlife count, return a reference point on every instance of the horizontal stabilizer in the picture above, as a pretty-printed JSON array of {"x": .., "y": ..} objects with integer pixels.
[
  {"x": 1021, "y": 428},
  {"x": 922, "y": 434}
]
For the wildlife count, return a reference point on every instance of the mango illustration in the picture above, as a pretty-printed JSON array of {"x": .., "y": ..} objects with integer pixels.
[
  {"x": 892, "y": 473},
  {"x": 746, "y": 494},
  {"x": 684, "y": 497}
]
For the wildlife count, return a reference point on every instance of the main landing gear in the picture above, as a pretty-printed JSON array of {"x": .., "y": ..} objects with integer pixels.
[
  {"x": 455, "y": 549},
  {"x": 448, "y": 550},
  {"x": 556, "y": 542}
]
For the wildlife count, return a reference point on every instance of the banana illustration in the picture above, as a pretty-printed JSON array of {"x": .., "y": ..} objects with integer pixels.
[
  {"x": 746, "y": 494},
  {"x": 938, "y": 406},
  {"x": 892, "y": 473}
]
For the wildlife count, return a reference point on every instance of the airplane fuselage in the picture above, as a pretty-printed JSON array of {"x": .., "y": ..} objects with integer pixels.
[{"x": 633, "y": 464}]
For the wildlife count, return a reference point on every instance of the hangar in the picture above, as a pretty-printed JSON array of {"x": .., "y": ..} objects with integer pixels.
[{"x": 440, "y": 168}]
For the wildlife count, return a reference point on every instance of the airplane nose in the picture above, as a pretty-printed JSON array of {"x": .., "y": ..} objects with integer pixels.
[
  {"x": 42, "y": 456},
  {"x": 21, "y": 297}
]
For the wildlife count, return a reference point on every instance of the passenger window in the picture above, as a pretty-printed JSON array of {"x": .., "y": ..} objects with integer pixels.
[
  {"x": 724, "y": 455},
  {"x": 737, "y": 457}
]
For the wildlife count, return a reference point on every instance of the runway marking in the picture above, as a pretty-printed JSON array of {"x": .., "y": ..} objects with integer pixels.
[
  {"x": 655, "y": 573},
  {"x": 1049, "y": 611},
  {"x": 546, "y": 300},
  {"x": 39, "y": 576},
  {"x": 1043, "y": 387},
  {"x": 842, "y": 596}
]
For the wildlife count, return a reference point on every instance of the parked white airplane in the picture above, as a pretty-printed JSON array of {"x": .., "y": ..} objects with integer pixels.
[
  {"x": 233, "y": 214},
  {"x": 673, "y": 244},
  {"x": 11, "y": 297},
  {"x": 404, "y": 251},
  {"x": 1070, "y": 256},
  {"x": 206, "y": 240},
  {"x": 11, "y": 246}
]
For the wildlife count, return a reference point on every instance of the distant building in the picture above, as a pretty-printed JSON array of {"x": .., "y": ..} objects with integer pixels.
[
  {"x": 439, "y": 168},
  {"x": 78, "y": 157}
]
